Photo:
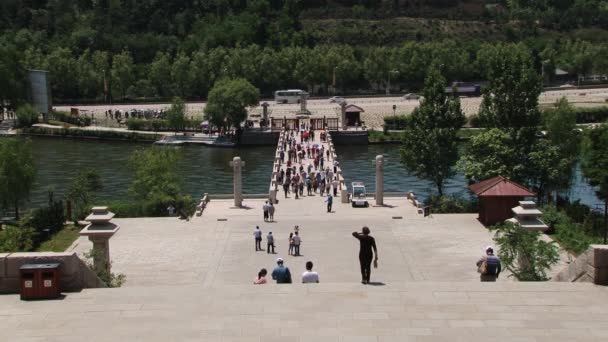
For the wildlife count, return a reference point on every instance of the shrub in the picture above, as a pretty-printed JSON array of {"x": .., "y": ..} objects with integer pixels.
[
  {"x": 395, "y": 122},
  {"x": 27, "y": 115},
  {"x": 110, "y": 135},
  {"x": 51, "y": 217},
  {"x": 448, "y": 204},
  {"x": 570, "y": 235},
  {"x": 523, "y": 252},
  {"x": 17, "y": 239},
  {"x": 73, "y": 120}
]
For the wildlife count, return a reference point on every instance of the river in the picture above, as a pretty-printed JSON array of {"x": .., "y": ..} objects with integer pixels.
[{"x": 206, "y": 170}]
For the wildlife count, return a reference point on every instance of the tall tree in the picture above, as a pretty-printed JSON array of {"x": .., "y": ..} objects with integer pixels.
[
  {"x": 228, "y": 101},
  {"x": 176, "y": 116},
  {"x": 595, "y": 164},
  {"x": 430, "y": 142},
  {"x": 17, "y": 172},
  {"x": 123, "y": 72},
  {"x": 160, "y": 74},
  {"x": 510, "y": 100},
  {"x": 553, "y": 158},
  {"x": 510, "y": 108}
]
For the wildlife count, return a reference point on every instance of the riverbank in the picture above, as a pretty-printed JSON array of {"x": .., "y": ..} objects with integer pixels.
[{"x": 99, "y": 133}]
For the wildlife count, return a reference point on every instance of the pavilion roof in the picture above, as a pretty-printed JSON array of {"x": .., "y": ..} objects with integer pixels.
[
  {"x": 351, "y": 108},
  {"x": 500, "y": 186}
]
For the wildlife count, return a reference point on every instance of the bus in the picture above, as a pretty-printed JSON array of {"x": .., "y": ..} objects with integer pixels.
[
  {"x": 464, "y": 89},
  {"x": 288, "y": 96}
]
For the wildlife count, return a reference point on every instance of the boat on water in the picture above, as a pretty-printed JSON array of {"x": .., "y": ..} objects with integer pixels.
[{"x": 213, "y": 141}]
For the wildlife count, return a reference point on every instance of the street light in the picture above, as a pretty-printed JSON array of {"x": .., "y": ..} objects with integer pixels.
[
  {"x": 388, "y": 88},
  {"x": 334, "y": 79}
]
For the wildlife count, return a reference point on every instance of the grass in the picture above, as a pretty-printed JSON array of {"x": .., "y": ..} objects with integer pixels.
[{"x": 61, "y": 240}]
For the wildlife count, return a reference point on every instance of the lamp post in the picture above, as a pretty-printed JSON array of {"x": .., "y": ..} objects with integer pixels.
[
  {"x": 388, "y": 87},
  {"x": 333, "y": 83}
]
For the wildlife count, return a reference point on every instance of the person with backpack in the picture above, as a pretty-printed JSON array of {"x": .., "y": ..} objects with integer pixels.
[
  {"x": 281, "y": 273},
  {"x": 489, "y": 266}
]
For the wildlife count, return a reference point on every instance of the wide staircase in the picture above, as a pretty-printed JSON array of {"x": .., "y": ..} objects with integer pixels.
[{"x": 412, "y": 311}]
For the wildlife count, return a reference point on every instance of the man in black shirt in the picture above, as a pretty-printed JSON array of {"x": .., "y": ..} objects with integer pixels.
[{"x": 367, "y": 243}]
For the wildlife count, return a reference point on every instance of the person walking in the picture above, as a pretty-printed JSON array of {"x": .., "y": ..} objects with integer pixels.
[
  {"x": 269, "y": 243},
  {"x": 489, "y": 266},
  {"x": 335, "y": 185},
  {"x": 265, "y": 209},
  {"x": 330, "y": 201},
  {"x": 281, "y": 273},
  {"x": 367, "y": 250},
  {"x": 296, "y": 243},
  {"x": 286, "y": 186},
  {"x": 290, "y": 251},
  {"x": 271, "y": 209},
  {"x": 257, "y": 235},
  {"x": 261, "y": 279},
  {"x": 309, "y": 276}
]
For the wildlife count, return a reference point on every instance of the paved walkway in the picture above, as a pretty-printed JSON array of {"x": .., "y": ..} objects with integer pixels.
[
  {"x": 307, "y": 163},
  {"x": 208, "y": 250}
]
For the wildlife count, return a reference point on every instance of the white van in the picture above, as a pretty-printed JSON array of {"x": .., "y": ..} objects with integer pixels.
[{"x": 288, "y": 96}]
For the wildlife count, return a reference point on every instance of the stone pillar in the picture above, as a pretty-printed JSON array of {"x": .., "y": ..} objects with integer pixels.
[
  {"x": 99, "y": 232},
  {"x": 237, "y": 165},
  {"x": 379, "y": 179},
  {"x": 303, "y": 99},
  {"x": 343, "y": 115},
  {"x": 265, "y": 112}
]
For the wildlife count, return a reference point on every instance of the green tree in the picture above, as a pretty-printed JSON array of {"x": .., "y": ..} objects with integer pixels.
[
  {"x": 82, "y": 192},
  {"x": 553, "y": 159},
  {"x": 181, "y": 75},
  {"x": 123, "y": 72},
  {"x": 430, "y": 142},
  {"x": 17, "y": 239},
  {"x": 160, "y": 74},
  {"x": 12, "y": 74},
  {"x": 490, "y": 153},
  {"x": 27, "y": 115},
  {"x": 154, "y": 174},
  {"x": 523, "y": 252},
  {"x": 17, "y": 172},
  {"x": 595, "y": 164},
  {"x": 176, "y": 116},
  {"x": 510, "y": 100},
  {"x": 228, "y": 101}
]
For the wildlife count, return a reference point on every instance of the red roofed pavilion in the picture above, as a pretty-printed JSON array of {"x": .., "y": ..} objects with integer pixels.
[{"x": 497, "y": 196}]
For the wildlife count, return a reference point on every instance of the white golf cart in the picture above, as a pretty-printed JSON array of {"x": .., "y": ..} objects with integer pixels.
[{"x": 359, "y": 197}]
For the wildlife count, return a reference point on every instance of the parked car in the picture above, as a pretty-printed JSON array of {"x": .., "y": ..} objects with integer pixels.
[
  {"x": 337, "y": 99},
  {"x": 411, "y": 96}
]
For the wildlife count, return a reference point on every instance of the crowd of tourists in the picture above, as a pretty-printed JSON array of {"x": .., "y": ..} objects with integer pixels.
[
  {"x": 134, "y": 113},
  {"x": 307, "y": 167}
]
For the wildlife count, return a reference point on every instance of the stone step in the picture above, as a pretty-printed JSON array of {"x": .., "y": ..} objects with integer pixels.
[{"x": 424, "y": 311}]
